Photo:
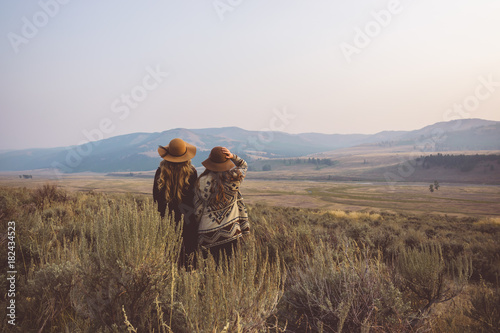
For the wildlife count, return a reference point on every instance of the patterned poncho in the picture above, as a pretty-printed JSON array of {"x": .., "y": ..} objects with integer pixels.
[{"x": 225, "y": 220}]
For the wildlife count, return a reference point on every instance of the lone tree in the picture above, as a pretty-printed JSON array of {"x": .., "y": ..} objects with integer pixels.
[
  {"x": 436, "y": 185},
  {"x": 431, "y": 188}
]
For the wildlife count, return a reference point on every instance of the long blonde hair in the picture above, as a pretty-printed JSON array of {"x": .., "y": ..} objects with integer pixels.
[{"x": 174, "y": 177}]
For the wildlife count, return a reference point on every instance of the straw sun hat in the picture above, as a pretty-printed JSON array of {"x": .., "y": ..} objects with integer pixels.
[
  {"x": 177, "y": 151},
  {"x": 217, "y": 161}
]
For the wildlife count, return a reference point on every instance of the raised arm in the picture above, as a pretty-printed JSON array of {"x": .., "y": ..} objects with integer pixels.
[{"x": 238, "y": 161}]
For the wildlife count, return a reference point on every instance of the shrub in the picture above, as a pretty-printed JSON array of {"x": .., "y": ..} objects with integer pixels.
[
  {"x": 130, "y": 257},
  {"x": 108, "y": 263},
  {"x": 85, "y": 260},
  {"x": 345, "y": 289},
  {"x": 236, "y": 296},
  {"x": 48, "y": 194},
  {"x": 48, "y": 294},
  {"x": 485, "y": 308},
  {"x": 357, "y": 231},
  {"x": 386, "y": 239},
  {"x": 429, "y": 278},
  {"x": 413, "y": 238}
]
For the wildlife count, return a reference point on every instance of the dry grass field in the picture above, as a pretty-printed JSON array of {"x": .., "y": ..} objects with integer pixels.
[
  {"x": 454, "y": 199},
  {"x": 326, "y": 254},
  {"x": 335, "y": 247},
  {"x": 451, "y": 199},
  {"x": 377, "y": 164},
  {"x": 89, "y": 261}
]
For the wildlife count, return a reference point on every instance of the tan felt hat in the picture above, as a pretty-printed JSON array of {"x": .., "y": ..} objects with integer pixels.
[
  {"x": 177, "y": 151},
  {"x": 217, "y": 161}
]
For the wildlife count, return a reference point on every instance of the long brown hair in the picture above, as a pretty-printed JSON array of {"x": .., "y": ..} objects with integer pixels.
[
  {"x": 220, "y": 178},
  {"x": 174, "y": 177}
]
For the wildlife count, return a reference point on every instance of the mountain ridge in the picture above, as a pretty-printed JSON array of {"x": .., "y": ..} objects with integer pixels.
[{"x": 136, "y": 151}]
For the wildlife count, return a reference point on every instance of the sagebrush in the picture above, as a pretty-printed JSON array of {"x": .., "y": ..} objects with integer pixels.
[{"x": 92, "y": 262}]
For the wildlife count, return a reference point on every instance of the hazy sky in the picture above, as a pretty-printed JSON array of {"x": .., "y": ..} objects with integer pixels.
[{"x": 78, "y": 70}]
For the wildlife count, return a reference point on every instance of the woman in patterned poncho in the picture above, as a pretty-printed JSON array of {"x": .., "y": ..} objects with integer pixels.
[{"x": 218, "y": 203}]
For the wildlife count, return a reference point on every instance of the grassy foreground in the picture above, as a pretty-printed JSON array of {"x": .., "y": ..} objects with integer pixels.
[{"x": 94, "y": 262}]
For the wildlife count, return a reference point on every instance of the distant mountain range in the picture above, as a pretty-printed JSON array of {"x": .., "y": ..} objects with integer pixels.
[{"x": 138, "y": 151}]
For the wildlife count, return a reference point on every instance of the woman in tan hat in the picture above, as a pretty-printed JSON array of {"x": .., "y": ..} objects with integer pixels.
[
  {"x": 173, "y": 187},
  {"x": 218, "y": 203}
]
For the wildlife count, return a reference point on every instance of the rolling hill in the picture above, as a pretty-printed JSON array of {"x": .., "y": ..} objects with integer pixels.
[{"x": 137, "y": 151}]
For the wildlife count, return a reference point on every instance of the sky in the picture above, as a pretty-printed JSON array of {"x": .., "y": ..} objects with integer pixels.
[{"x": 73, "y": 71}]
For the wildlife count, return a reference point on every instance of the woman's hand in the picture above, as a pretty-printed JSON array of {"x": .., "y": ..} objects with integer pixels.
[{"x": 226, "y": 152}]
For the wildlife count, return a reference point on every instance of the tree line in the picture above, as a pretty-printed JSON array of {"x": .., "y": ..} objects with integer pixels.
[
  {"x": 268, "y": 165},
  {"x": 310, "y": 160},
  {"x": 462, "y": 162}
]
